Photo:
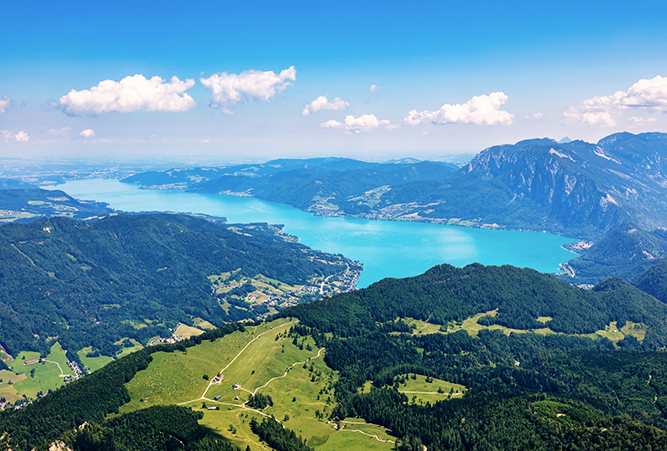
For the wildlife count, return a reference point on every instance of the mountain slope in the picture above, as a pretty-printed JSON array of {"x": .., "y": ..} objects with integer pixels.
[
  {"x": 624, "y": 252},
  {"x": 576, "y": 189},
  {"x": 354, "y": 357},
  {"x": 24, "y": 205},
  {"x": 91, "y": 284},
  {"x": 521, "y": 298},
  {"x": 573, "y": 188}
]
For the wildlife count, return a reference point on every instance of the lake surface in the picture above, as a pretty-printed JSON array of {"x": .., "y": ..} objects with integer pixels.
[{"x": 386, "y": 248}]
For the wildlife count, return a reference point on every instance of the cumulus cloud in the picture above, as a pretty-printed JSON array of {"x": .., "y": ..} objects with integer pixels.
[
  {"x": 7, "y": 136},
  {"x": 229, "y": 89},
  {"x": 61, "y": 132},
  {"x": 5, "y": 104},
  {"x": 132, "y": 93},
  {"x": 87, "y": 133},
  {"x": 637, "y": 120},
  {"x": 535, "y": 116},
  {"x": 374, "y": 88},
  {"x": 362, "y": 124},
  {"x": 322, "y": 103},
  {"x": 603, "y": 111},
  {"x": 480, "y": 110}
]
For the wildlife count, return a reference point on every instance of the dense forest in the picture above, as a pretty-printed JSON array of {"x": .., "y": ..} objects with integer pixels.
[
  {"x": 625, "y": 252},
  {"x": 525, "y": 390},
  {"x": 137, "y": 276},
  {"x": 23, "y": 203},
  {"x": 89, "y": 400},
  {"x": 448, "y": 295}
]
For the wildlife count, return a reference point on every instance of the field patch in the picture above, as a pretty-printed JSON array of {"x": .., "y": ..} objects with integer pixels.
[
  {"x": 93, "y": 363},
  {"x": 35, "y": 376},
  {"x": 218, "y": 378}
]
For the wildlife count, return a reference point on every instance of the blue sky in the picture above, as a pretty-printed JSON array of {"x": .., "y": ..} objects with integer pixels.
[{"x": 373, "y": 80}]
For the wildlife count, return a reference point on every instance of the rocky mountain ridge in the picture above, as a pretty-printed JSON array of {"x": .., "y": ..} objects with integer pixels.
[{"x": 574, "y": 188}]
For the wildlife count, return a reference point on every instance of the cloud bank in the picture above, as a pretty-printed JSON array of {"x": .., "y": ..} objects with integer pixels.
[
  {"x": 7, "y": 136},
  {"x": 322, "y": 103},
  {"x": 362, "y": 124},
  {"x": 5, "y": 104},
  {"x": 229, "y": 89},
  {"x": 480, "y": 110},
  {"x": 132, "y": 93},
  {"x": 603, "y": 111}
]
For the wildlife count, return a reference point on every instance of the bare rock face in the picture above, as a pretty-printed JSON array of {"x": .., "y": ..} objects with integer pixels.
[{"x": 576, "y": 188}]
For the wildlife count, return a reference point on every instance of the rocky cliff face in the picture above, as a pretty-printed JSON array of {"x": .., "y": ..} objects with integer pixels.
[{"x": 579, "y": 189}]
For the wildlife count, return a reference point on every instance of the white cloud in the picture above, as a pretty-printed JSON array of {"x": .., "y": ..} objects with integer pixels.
[
  {"x": 322, "y": 103},
  {"x": 61, "y": 132},
  {"x": 362, "y": 124},
  {"x": 603, "y": 111},
  {"x": 204, "y": 141},
  {"x": 87, "y": 133},
  {"x": 130, "y": 94},
  {"x": 535, "y": 116},
  {"x": 5, "y": 104},
  {"x": 637, "y": 120},
  {"x": 21, "y": 136},
  {"x": 374, "y": 88},
  {"x": 480, "y": 110},
  {"x": 229, "y": 89}
]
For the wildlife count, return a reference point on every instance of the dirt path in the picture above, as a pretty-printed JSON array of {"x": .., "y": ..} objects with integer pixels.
[
  {"x": 59, "y": 367},
  {"x": 319, "y": 353},
  {"x": 203, "y": 396},
  {"x": 367, "y": 434}
]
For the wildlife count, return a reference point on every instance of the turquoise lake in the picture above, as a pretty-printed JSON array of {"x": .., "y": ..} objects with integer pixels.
[{"x": 386, "y": 248}]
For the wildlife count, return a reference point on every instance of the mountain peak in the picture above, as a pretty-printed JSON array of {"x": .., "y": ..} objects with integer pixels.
[{"x": 536, "y": 142}]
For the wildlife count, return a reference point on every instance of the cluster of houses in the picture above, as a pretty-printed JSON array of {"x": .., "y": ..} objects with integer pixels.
[
  {"x": 172, "y": 339},
  {"x": 75, "y": 368}
]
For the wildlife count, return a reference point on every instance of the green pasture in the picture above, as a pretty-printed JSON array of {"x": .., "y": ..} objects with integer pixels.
[
  {"x": 262, "y": 360},
  {"x": 178, "y": 377},
  {"x": 46, "y": 375},
  {"x": 187, "y": 331},
  {"x": 419, "y": 391},
  {"x": 472, "y": 326},
  {"x": 346, "y": 438},
  {"x": 93, "y": 363},
  {"x": 202, "y": 324}
]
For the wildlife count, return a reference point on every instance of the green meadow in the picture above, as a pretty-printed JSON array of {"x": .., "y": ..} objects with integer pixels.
[
  {"x": 29, "y": 380},
  {"x": 472, "y": 326},
  {"x": 262, "y": 360}
]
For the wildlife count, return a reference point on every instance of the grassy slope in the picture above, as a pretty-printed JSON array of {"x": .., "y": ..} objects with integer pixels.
[
  {"x": 46, "y": 377},
  {"x": 262, "y": 360},
  {"x": 472, "y": 326}
]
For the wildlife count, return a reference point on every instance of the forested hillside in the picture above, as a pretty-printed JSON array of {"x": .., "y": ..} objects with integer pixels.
[
  {"x": 324, "y": 186},
  {"x": 525, "y": 388},
  {"x": 21, "y": 204},
  {"x": 136, "y": 276},
  {"x": 519, "y": 298},
  {"x": 624, "y": 252}
]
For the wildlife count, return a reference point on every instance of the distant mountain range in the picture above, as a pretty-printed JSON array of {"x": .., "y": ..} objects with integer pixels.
[{"x": 572, "y": 188}]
